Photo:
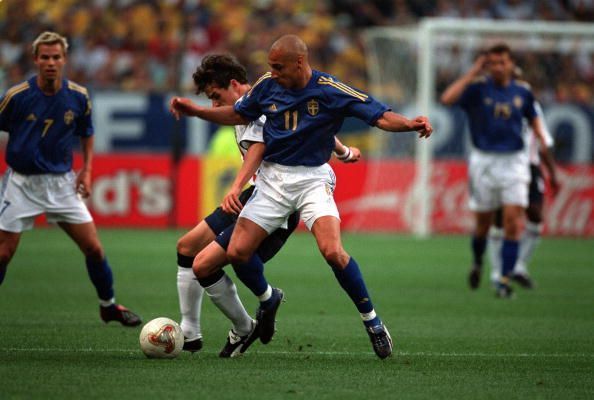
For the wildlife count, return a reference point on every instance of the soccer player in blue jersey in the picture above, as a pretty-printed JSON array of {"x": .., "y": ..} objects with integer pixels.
[
  {"x": 42, "y": 115},
  {"x": 534, "y": 211},
  {"x": 304, "y": 109},
  {"x": 202, "y": 251},
  {"x": 496, "y": 106}
]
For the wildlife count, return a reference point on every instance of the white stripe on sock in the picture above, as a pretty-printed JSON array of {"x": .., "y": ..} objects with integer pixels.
[
  {"x": 368, "y": 316},
  {"x": 266, "y": 295}
]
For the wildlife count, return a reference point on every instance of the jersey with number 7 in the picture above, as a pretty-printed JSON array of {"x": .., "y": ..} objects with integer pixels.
[{"x": 41, "y": 128}]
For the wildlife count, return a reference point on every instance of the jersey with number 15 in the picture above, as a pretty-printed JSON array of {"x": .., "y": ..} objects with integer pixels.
[
  {"x": 41, "y": 127},
  {"x": 301, "y": 124}
]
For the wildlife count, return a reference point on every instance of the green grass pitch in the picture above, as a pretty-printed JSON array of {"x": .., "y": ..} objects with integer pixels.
[{"x": 450, "y": 343}]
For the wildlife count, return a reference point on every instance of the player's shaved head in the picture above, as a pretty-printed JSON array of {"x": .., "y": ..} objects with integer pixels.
[
  {"x": 291, "y": 46},
  {"x": 288, "y": 62}
]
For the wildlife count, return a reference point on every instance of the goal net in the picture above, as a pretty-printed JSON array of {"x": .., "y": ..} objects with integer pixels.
[{"x": 410, "y": 67}]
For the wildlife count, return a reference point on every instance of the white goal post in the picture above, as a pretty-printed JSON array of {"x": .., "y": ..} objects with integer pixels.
[{"x": 404, "y": 63}]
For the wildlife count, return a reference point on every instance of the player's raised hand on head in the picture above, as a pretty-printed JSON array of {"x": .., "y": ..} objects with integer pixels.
[
  {"x": 181, "y": 106},
  {"x": 478, "y": 66},
  {"x": 423, "y": 126},
  {"x": 231, "y": 203}
]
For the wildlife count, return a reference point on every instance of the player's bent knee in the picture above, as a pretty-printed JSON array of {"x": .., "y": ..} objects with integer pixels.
[
  {"x": 236, "y": 256},
  {"x": 6, "y": 254},
  {"x": 335, "y": 256},
  {"x": 183, "y": 246},
  {"x": 198, "y": 272},
  {"x": 200, "y": 268},
  {"x": 94, "y": 252}
]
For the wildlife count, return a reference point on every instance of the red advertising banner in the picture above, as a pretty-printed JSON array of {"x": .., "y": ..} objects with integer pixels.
[
  {"x": 380, "y": 196},
  {"x": 136, "y": 190}
]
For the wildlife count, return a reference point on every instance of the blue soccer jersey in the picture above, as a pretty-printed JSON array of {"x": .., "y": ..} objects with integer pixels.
[
  {"x": 301, "y": 124},
  {"x": 41, "y": 127},
  {"x": 495, "y": 114}
]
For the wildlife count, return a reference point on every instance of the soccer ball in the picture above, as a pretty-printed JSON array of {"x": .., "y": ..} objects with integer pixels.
[{"x": 161, "y": 338}]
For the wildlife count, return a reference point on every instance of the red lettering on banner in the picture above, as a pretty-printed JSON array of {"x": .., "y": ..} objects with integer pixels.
[{"x": 135, "y": 190}]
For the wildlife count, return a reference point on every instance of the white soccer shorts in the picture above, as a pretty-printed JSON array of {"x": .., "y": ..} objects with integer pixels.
[
  {"x": 280, "y": 190},
  {"x": 497, "y": 180},
  {"x": 24, "y": 197}
]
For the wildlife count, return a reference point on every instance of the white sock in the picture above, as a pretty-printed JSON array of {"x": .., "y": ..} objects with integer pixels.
[
  {"x": 190, "y": 295},
  {"x": 107, "y": 303},
  {"x": 528, "y": 243},
  {"x": 224, "y": 295},
  {"x": 266, "y": 295},
  {"x": 494, "y": 244}
]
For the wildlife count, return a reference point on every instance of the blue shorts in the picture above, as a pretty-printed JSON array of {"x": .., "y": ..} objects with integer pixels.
[
  {"x": 222, "y": 224},
  {"x": 269, "y": 246},
  {"x": 219, "y": 220}
]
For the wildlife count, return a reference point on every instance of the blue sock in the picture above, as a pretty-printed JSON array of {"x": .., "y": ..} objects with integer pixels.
[
  {"x": 100, "y": 274},
  {"x": 509, "y": 256},
  {"x": 352, "y": 282},
  {"x": 252, "y": 275},
  {"x": 478, "y": 249}
]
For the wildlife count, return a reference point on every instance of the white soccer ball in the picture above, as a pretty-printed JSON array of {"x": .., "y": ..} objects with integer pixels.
[{"x": 161, "y": 338}]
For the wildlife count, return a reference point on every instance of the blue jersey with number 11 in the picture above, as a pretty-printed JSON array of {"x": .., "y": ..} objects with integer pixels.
[
  {"x": 301, "y": 124},
  {"x": 41, "y": 127}
]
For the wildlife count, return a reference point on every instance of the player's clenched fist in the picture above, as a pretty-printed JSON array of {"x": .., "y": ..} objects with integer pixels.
[
  {"x": 182, "y": 106},
  {"x": 423, "y": 126}
]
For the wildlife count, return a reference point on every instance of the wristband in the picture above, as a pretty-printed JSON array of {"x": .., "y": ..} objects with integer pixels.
[{"x": 346, "y": 156}]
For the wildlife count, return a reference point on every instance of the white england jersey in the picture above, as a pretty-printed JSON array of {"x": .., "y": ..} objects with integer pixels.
[
  {"x": 252, "y": 132},
  {"x": 533, "y": 145},
  {"x": 245, "y": 135}
]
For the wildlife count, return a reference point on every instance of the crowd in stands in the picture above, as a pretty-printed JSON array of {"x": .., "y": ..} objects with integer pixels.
[{"x": 155, "y": 45}]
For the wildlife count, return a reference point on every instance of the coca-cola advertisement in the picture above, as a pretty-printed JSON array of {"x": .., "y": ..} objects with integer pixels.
[{"x": 381, "y": 196}]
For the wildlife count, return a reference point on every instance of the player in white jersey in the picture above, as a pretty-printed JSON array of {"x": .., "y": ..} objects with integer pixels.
[
  {"x": 534, "y": 211},
  {"x": 201, "y": 252}
]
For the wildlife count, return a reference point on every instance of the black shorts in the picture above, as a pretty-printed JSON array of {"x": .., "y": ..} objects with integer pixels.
[
  {"x": 219, "y": 220},
  {"x": 273, "y": 242},
  {"x": 537, "y": 185}
]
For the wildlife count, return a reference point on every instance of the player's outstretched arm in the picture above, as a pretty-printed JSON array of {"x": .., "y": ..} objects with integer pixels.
[
  {"x": 453, "y": 92},
  {"x": 251, "y": 162},
  {"x": 346, "y": 154},
  {"x": 390, "y": 121},
  {"x": 224, "y": 115}
]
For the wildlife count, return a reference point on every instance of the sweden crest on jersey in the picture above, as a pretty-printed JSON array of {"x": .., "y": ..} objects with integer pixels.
[
  {"x": 68, "y": 117},
  {"x": 313, "y": 107}
]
